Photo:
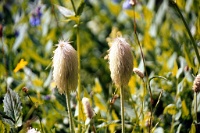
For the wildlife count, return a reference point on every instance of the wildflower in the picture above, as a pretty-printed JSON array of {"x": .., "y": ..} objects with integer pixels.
[
  {"x": 16, "y": 33},
  {"x": 138, "y": 72},
  {"x": 87, "y": 108},
  {"x": 196, "y": 84},
  {"x": 20, "y": 65},
  {"x": 120, "y": 62},
  {"x": 32, "y": 130},
  {"x": 35, "y": 19},
  {"x": 65, "y": 64},
  {"x": 126, "y": 5}
]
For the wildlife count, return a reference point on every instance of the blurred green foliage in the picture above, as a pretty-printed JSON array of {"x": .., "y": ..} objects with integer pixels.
[{"x": 30, "y": 30}]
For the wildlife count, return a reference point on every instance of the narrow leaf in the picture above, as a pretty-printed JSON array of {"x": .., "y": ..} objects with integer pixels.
[
  {"x": 61, "y": 98},
  {"x": 12, "y": 106},
  {"x": 64, "y": 11},
  {"x": 80, "y": 8}
]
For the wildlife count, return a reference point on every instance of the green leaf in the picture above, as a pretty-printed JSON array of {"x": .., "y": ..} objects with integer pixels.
[
  {"x": 170, "y": 109},
  {"x": 193, "y": 128},
  {"x": 4, "y": 128},
  {"x": 97, "y": 88},
  {"x": 34, "y": 55},
  {"x": 99, "y": 102},
  {"x": 184, "y": 109},
  {"x": 61, "y": 98},
  {"x": 64, "y": 11},
  {"x": 12, "y": 107},
  {"x": 80, "y": 8}
]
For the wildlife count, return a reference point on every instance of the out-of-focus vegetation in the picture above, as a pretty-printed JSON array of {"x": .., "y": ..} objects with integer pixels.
[{"x": 30, "y": 30}]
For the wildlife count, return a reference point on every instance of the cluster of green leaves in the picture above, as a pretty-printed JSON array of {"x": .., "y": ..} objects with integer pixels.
[{"x": 26, "y": 53}]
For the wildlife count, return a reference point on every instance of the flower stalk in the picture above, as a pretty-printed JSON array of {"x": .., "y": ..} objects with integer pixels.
[
  {"x": 65, "y": 73},
  {"x": 121, "y": 67},
  {"x": 67, "y": 95},
  {"x": 79, "y": 63},
  {"x": 122, "y": 108}
]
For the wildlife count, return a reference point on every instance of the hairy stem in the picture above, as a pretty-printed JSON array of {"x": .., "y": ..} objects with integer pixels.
[
  {"x": 79, "y": 76},
  {"x": 79, "y": 66},
  {"x": 122, "y": 108},
  {"x": 69, "y": 112}
]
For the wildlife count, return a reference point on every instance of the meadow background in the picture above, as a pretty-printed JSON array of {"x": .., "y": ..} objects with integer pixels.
[{"x": 30, "y": 30}]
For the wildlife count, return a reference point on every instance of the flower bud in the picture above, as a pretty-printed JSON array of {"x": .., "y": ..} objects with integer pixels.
[
  {"x": 25, "y": 89},
  {"x": 65, "y": 64},
  {"x": 138, "y": 72},
  {"x": 133, "y": 2},
  {"x": 87, "y": 108},
  {"x": 196, "y": 84},
  {"x": 120, "y": 62}
]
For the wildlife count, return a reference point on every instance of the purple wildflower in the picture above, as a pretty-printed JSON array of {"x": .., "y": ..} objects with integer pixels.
[
  {"x": 35, "y": 19},
  {"x": 126, "y": 5}
]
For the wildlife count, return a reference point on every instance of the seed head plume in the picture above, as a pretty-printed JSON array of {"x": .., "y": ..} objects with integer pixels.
[
  {"x": 65, "y": 67},
  {"x": 120, "y": 62}
]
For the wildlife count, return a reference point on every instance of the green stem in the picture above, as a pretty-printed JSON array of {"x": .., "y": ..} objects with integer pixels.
[
  {"x": 69, "y": 112},
  {"x": 188, "y": 30},
  {"x": 151, "y": 101},
  {"x": 79, "y": 75},
  {"x": 74, "y": 8},
  {"x": 41, "y": 125},
  {"x": 122, "y": 108},
  {"x": 142, "y": 55},
  {"x": 196, "y": 107},
  {"x": 79, "y": 66}
]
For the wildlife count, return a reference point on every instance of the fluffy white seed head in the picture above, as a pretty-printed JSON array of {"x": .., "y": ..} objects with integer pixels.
[
  {"x": 138, "y": 72},
  {"x": 65, "y": 67},
  {"x": 87, "y": 108},
  {"x": 196, "y": 84},
  {"x": 120, "y": 62}
]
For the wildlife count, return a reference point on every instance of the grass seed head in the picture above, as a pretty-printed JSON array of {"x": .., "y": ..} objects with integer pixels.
[{"x": 65, "y": 67}]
